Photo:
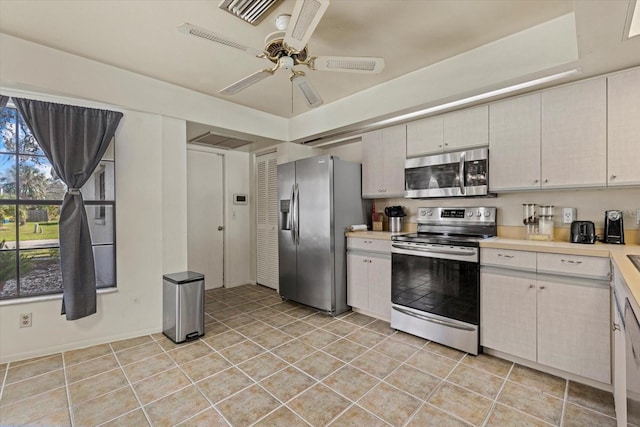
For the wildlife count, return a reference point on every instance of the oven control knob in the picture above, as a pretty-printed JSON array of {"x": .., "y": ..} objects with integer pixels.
[
  {"x": 470, "y": 214},
  {"x": 478, "y": 213},
  {"x": 487, "y": 213},
  {"x": 429, "y": 212}
]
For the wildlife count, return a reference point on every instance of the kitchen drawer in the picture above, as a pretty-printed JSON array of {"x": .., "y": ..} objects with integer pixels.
[
  {"x": 520, "y": 260},
  {"x": 371, "y": 245},
  {"x": 574, "y": 265}
]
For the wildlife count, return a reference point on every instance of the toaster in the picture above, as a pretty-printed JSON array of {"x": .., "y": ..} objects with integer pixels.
[{"x": 583, "y": 232}]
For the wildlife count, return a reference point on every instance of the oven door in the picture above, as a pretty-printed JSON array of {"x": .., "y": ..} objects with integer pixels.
[{"x": 437, "y": 279}]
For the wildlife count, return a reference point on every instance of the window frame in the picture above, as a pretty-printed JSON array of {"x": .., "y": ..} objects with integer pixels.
[{"x": 100, "y": 219}]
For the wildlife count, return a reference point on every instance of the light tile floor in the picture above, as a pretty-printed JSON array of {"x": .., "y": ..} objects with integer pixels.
[{"x": 266, "y": 362}]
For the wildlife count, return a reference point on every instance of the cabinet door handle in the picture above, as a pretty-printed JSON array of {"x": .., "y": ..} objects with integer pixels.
[
  {"x": 446, "y": 144},
  {"x": 568, "y": 261},
  {"x": 439, "y": 145},
  {"x": 531, "y": 286},
  {"x": 506, "y": 256},
  {"x": 541, "y": 287},
  {"x": 615, "y": 327},
  {"x": 546, "y": 180},
  {"x": 613, "y": 177},
  {"x": 535, "y": 181}
]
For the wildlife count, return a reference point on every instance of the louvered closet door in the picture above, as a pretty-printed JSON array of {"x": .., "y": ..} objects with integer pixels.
[{"x": 267, "y": 220}]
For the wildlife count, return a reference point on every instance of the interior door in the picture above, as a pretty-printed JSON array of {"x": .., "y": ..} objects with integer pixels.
[
  {"x": 205, "y": 217},
  {"x": 267, "y": 220}
]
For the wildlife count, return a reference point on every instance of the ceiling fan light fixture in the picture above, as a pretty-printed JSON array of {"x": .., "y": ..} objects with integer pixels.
[
  {"x": 251, "y": 11},
  {"x": 304, "y": 85},
  {"x": 282, "y": 21}
]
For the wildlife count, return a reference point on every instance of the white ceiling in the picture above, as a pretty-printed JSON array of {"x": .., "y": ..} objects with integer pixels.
[{"x": 141, "y": 36}]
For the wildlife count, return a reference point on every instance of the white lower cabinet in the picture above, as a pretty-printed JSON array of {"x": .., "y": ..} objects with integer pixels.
[
  {"x": 369, "y": 277},
  {"x": 508, "y": 314},
  {"x": 560, "y": 322},
  {"x": 574, "y": 329}
]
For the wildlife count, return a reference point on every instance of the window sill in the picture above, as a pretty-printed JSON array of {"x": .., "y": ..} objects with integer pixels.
[{"x": 29, "y": 300}]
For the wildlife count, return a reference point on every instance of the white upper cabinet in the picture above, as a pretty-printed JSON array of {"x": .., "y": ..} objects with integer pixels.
[
  {"x": 574, "y": 135},
  {"x": 383, "y": 156},
  {"x": 514, "y": 144},
  {"x": 624, "y": 129},
  {"x": 466, "y": 128},
  {"x": 425, "y": 136},
  {"x": 448, "y": 132}
]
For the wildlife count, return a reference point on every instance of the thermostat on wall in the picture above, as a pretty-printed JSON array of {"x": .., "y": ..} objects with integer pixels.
[{"x": 240, "y": 199}]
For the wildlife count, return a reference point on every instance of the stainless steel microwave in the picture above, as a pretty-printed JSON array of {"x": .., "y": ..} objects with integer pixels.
[{"x": 457, "y": 174}]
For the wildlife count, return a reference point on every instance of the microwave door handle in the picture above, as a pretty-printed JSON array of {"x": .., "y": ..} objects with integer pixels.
[{"x": 461, "y": 171}]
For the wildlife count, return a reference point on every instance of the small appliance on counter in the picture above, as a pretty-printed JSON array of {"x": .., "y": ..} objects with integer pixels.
[
  {"x": 395, "y": 214},
  {"x": 583, "y": 232},
  {"x": 537, "y": 227},
  {"x": 613, "y": 228}
]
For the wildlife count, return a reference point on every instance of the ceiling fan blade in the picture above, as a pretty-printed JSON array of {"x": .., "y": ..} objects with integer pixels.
[
  {"x": 312, "y": 97},
  {"x": 304, "y": 19},
  {"x": 246, "y": 82},
  {"x": 350, "y": 64},
  {"x": 203, "y": 33}
]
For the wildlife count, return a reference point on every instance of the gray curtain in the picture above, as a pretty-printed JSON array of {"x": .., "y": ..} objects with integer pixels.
[
  {"x": 74, "y": 140},
  {"x": 3, "y": 101}
]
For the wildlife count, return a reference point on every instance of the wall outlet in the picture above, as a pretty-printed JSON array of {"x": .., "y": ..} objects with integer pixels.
[
  {"x": 569, "y": 215},
  {"x": 25, "y": 320}
]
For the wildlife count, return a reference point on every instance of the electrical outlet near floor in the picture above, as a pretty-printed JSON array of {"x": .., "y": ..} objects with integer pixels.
[{"x": 25, "y": 320}]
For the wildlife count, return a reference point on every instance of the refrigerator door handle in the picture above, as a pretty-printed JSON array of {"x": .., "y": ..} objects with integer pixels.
[
  {"x": 293, "y": 219},
  {"x": 297, "y": 215}
]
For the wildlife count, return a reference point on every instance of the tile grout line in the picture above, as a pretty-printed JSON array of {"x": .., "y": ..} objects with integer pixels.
[
  {"x": 495, "y": 399},
  {"x": 4, "y": 379},
  {"x": 135, "y": 394},
  {"x": 66, "y": 386},
  {"x": 564, "y": 402}
]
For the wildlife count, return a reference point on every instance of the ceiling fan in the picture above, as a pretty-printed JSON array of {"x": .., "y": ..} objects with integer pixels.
[{"x": 287, "y": 48}]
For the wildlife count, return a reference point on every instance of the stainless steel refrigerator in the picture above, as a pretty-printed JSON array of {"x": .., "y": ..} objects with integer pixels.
[{"x": 319, "y": 198}]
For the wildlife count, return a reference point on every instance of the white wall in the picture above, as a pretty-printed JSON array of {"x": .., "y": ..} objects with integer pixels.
[
  {"x": 136, "y": 307},
  {"x": 151, "y": 192},
  {"x": 33, "y": 67}
]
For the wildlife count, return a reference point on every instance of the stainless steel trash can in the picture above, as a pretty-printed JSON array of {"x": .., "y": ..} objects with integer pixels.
[{"x": 183, "y": 306}]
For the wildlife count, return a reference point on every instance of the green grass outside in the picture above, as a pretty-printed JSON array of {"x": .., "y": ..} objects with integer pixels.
[{"x": 49, "y": 231}]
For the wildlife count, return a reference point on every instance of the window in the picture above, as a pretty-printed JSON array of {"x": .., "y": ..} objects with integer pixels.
[{"x": 30, "y": 198}]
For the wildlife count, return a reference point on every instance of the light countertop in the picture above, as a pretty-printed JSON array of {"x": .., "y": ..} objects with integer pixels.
[
  {"x": 376, "y": 235},
  {"x": 617, "y": 253}
]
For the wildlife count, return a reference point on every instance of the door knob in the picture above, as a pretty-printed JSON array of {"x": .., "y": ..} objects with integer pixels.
[{"x": 220, "y": 228}]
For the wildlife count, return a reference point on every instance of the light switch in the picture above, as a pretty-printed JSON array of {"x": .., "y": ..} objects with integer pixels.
[{"x": 569, "y": 215}]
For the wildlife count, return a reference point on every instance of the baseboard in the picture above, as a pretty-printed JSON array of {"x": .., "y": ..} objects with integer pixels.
[
  {"x": 549, "y": 370},
  {"x": 76, "y": 345}
]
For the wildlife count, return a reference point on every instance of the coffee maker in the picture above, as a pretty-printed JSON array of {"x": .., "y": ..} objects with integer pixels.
[{"x": 613, "y": 228}]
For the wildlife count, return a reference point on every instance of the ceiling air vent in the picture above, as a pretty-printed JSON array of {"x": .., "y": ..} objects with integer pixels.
[
  {"x": 251, "y": 11},
  {"x": 219, "y": 141}
]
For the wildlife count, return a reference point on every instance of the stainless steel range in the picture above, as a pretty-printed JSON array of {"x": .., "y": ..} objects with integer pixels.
[{"x": 435, "y": 276}]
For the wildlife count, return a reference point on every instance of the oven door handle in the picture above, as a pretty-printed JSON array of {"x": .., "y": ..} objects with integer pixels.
[
  {"x": 433, "y": 251},
  {"x": 433, "y": 320}
]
